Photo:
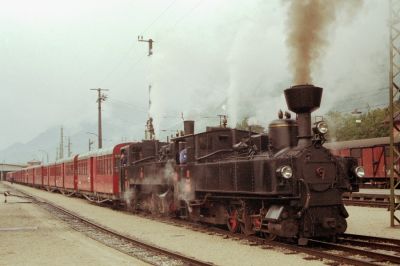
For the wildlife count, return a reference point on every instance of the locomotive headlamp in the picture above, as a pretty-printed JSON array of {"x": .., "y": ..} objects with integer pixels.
[
  {"x": 359, "y": 171},
  {"x": 285, "y": 171},
  {"x": 322, "y": 127}
]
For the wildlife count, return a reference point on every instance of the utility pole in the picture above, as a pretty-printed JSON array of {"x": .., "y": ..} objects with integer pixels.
[
  {"x": 149, "y": 129},
  {"x": 394, "y": 109},
  {"x": 90, "y": 144},
  {"x": 101, "y": 97},
  {"x": 57, "y": 153},
  {"x": 69, "y": 147},
  {"x": 61, "y": 156}
]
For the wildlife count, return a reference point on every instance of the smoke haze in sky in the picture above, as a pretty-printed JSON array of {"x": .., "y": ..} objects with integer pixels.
[{"x": 210, "y": 57}]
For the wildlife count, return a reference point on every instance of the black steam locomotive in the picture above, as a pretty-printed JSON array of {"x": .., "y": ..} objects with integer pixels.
[{"x": 282, "y": 184}]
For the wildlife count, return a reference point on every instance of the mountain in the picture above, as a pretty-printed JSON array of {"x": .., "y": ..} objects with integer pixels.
[
  {"x": 24, "y": 152},
  {"x": 46, "y": 144}
]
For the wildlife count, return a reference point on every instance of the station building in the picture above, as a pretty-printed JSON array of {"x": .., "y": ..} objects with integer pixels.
[{"x": 6, "y": 167}]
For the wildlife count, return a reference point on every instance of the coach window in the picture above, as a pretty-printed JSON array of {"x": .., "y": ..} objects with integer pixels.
[{"x": 355, "y": 153}]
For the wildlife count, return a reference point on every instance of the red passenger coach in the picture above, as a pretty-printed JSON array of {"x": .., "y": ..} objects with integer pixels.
[
  {"x": 18, "y": 176},
  {"x": 24, "y": 176},
  {"x": 106, "y": 173},
  {"x": 9, "y": 176},
  {"x": 45, "y": 175},
  {"x": 69, "y": 170},
  {"x": 52, "y": 176},
  {"x": 59, "y": 177},
  {"x": 38, "y": 172},
  {"x": 85, "y": 172},
  {"x": 31, "y": 175}
]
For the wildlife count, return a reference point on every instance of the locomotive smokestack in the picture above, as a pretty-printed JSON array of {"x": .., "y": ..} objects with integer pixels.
[
  {"x": 188, "y": 126},
  {"x": 303, "y": 99}
]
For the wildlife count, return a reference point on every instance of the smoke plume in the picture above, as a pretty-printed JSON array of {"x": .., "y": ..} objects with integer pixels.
[{"x": 308, "y": 24}]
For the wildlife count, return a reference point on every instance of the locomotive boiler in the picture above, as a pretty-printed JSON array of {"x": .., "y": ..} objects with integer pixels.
[{"x": 284, "y": 183}]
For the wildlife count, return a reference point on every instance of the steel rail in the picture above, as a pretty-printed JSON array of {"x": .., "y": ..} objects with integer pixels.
[
  {"x": 372, "y": 238},
  {"x": 375, "y": 245},
  {"x": 145, "y": 245},
  {"x": 141, "y": 243},
  {"x": 253, "y": 240},
  {"x": 354, "y": 250},
  {"x": 366, "y": 203}
]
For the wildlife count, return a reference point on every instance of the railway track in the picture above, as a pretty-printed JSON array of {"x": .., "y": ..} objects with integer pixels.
[
  {"x": 367, "y": 253},
  {"x": 350, "y": 249},
  {"x": 366, "y": 203},
  {"x": 139, "y": 249},
  {"x": 368, "y": 200}
]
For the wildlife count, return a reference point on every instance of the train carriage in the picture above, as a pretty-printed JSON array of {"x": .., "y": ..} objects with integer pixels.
[
  {"x": 372, "y": 153},
  {"x": 9, "y": 176},
  {"x": 59, "y": 175},
  {"x": 52, "y": 175},
  {"x": 24, "y": 176},
  {"x": 69, "y": 170},
  {"x": 18, "y": 176},
  {"x": 105, "y": 170},
  {"x": 45, "y": 175},
  {"x": 38, "y": 172},
  {"x": 85, "y": 172}
]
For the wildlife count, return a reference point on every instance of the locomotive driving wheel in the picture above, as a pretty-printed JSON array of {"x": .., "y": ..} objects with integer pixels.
[
  {"x": 155, "y": 207},
  {"x": 268, "y": 236},
  {"x": 232, "y": 221}
]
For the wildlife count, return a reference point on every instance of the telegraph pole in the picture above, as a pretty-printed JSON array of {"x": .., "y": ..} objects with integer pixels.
[
  {"x": 90, "y": 144},
  {"x": 101, "y": 97},
  {"x": 61, "y": 156},
  {"x": 47, "y": 154},
  {"x": 69, "y": 147},
  {"x": 394, "y": 108},
  {"x": 149, "y": 129}
]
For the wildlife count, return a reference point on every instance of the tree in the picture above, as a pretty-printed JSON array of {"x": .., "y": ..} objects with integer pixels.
[
  {"x": 244, "y": 125},
  {"x": 348, "y": 127}
]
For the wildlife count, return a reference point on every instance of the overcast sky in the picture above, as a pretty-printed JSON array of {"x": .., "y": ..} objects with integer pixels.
[{"x": 210, "y": 57}]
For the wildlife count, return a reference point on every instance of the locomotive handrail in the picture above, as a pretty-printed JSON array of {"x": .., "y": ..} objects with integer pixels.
[
  {"x": 202, "y": 202},
  {"x": 213, "y": 153},
  {"x": 308, "y": 197},
  {"x": 144, "y": 159}
]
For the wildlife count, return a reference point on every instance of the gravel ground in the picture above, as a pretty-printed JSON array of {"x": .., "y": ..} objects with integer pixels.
[
  {"x": 371, "y": 221},
  {"x": 209, "y": 247},
  {"x": 31, "y": 236}
]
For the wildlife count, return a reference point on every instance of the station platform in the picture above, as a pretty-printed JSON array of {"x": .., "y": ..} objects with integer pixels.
[
  {"x": 31, "y": 236},
  {"x": 378, "y": 191}
]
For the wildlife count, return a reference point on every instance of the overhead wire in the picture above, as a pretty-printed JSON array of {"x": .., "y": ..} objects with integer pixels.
[
  {"x": 186, "y": 14},
  {"x": 124, "y": 57},
  {"x": 158, "y": 17}
]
